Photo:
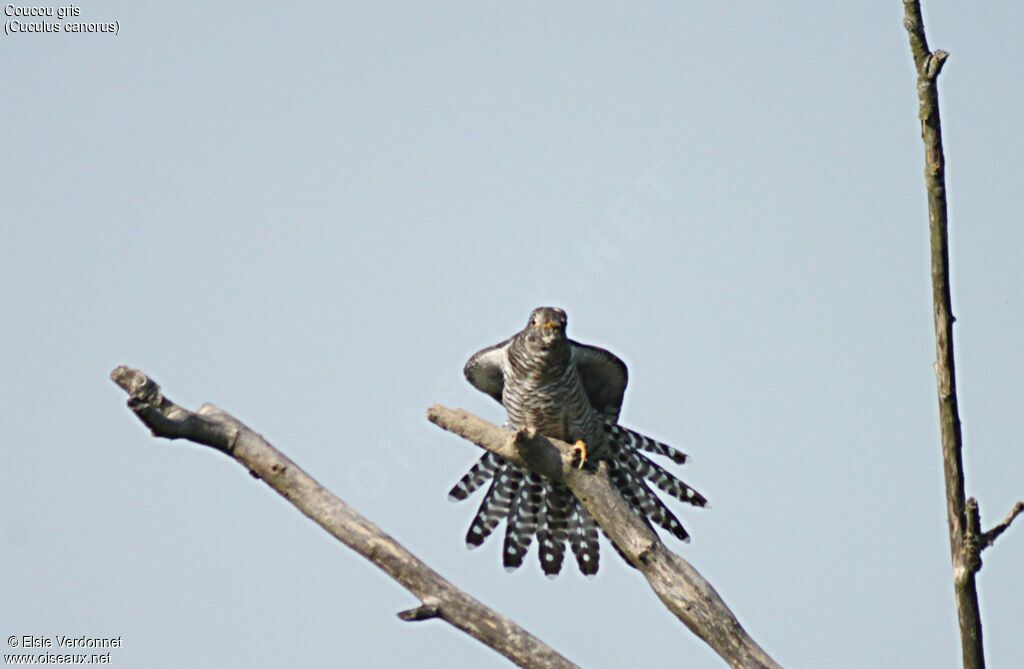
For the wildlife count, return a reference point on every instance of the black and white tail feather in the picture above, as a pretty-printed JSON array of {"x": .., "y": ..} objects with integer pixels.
[
  {"x": 532, "y": 506},
  {"x": 570, "y": 391}
]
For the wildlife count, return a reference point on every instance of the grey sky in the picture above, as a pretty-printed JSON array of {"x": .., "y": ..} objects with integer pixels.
[{"x": 312, "y": 215}]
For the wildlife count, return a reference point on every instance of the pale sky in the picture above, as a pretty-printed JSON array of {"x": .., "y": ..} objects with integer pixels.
[{"x": 311, "y": 215}]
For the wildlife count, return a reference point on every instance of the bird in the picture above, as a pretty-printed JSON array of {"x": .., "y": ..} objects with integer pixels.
[{"x": 570, "y": 391}]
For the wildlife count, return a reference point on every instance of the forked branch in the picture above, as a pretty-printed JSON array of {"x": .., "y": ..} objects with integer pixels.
[{"x": 440, "y": 599}]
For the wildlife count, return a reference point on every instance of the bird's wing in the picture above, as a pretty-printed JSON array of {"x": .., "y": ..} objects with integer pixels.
[
  {"x": 604, "y": 377},
  {"x": 485, "y": 369}
]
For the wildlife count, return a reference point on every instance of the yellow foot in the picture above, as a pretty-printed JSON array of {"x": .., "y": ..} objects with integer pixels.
[{"x": 580, "y": 448}]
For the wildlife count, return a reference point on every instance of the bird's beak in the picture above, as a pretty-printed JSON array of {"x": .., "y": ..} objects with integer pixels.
[{"x": 551, "y": 325}]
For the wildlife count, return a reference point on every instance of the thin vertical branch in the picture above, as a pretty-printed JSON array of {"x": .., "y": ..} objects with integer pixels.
[
  {"x": 929, "y": 65},
  {"x": 966, "y": 539}
]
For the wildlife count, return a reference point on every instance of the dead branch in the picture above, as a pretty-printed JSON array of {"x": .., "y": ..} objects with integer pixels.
[
  {"x": 681, "y": 588},
  {"x": 988, "y": 538},
  {"x": 965, "y": 537},
  {"x": 213, "y": 427}
]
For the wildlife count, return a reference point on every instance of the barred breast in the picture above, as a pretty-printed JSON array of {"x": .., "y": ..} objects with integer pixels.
[{"x": 544, "y": 392}]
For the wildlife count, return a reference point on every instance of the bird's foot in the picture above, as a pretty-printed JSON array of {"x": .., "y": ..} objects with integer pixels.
[{"x": 579, "y": 454}]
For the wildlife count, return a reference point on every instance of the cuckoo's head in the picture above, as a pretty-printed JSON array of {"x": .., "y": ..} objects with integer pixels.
[{"x": 546, "y": 328}]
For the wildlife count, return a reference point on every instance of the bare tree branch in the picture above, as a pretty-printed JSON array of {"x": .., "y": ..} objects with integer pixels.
[
  {"x": 965, "y": 537},
  {"x": 988, "y": 538},
  {"x": 681, "y": 588},
  {"x": 440, "y": 599}
]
